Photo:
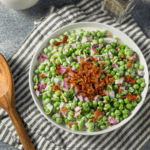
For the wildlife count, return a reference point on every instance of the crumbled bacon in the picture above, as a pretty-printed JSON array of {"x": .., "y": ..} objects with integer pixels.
[
  {"x": 129, "y": 79},
  {"x": 63, "y": 108},
  {"x": 102, "y": 63},
  {"x": 57, "y": 43},
  {"x": 123, "y": 57},
  {"x": 119, "y": 90},
  {"x": 42, "y": 75},
  {"x": 58, "y": 69},
  {"x": 87, "y": 80},
  {"x": 129, "y": 63},
  {"x": 97, "y": 114},
  {"x": 55, "y": 87},
  {"x": 71, "y": 123},
  {"x": 118, "y": 48},
  {"x": 65, "y": 38},
  {"x": 131, "y": 97}
]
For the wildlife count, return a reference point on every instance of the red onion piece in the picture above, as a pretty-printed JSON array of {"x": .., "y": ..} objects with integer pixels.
[
  {"x": 42, "y": 57},
  {"x": 73, "y": 45},
  {"x": 41, "y": 86},
  {"x": 140, "y": 72},
  {"x": 113, "y": 64},
  {"x": 37, "y": 93},
  {"x": 96, "y": 97},
  {"x": 63, "y": 69},
  {"x": 112, "y": 120}
]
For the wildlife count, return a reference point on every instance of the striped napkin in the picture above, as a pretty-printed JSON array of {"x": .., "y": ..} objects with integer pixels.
[{"x": 44, "y": 135}]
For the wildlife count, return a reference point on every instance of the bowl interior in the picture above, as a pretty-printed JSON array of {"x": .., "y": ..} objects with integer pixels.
[{"x": 89, "y": 26}]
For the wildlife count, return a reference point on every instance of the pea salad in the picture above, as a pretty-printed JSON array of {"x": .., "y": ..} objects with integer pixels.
[{"x": 87, "y": 80}]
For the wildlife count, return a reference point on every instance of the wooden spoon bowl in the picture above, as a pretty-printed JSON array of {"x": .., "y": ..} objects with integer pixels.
[{"x": 7, "y": 102}]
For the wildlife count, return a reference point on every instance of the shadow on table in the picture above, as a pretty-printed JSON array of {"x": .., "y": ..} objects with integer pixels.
[{"x": 42, "y": 7}]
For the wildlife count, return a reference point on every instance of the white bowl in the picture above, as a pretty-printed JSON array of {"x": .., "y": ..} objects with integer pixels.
[
  {"x": 89, "y": 26},
  {"x": 19, "y": 4}
]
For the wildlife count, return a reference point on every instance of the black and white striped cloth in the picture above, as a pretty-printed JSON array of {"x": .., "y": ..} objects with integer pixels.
[{"x": 44, "y": 135}]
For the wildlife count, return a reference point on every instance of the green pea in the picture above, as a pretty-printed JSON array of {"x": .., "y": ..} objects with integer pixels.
[
  {"x": 117, "y": 112},
  {"x": 135, "y": 86},
  {"x": 86, "y": 108},
  {"x": 77, "y": 65},
  {"x": 80, "y": 103},
  {"x": 52, "y": 41},
  {"x": 126, "y": 100},
  {"x": 95, "y": 41},
  {"x": 71, "y": 113},
  {"x": 125, "y": 116},
  {"x": 44, "y": 96},
  {"x": 59, "y": 120},
  {"x": 102, "y": 127},
  {"x": 108, "y": 46},
  {"x": 136, "y": 66},
  {"x": 41, "y": 67},
  {"x": 95, "y": 103},
  {"x": 101, "y": 41},
  {"x": 35, "y": 79},
  {"x": 57, "y": 93},
  {"x": 134, "y": 103},
  {"x": 141, "y": 67},
  {"x": 86, "y": 34},
  {"x": 129, "y": 106},
  {"x": 37, "y": 71},
  {"x": 116, "y": 104},
  {"x": 107, "y": 106},
  {"x": 73, "y": 105},
  {"x": 113, "y": 44},
  {"x": 112, "y": 114},
  {"x": 143, "y": 84}
]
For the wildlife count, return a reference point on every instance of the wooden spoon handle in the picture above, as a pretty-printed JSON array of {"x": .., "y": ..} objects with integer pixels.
[{"x": 21, "y": 131}]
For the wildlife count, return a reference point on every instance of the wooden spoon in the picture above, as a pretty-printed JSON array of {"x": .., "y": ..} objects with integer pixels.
[{"x": 7, "y": 102}]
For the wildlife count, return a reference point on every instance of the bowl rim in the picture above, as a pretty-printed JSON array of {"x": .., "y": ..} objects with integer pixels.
[{"x": 136, "y": 109}]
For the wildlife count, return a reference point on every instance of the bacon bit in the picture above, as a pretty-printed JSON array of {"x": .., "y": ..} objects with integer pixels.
[
  {"x": 93, "y": 59},
  {"x": 131, "y": 97},
  {"x": 118, "y": 48},
  {"x": 58, "y": 69},
  {"x": 77, "y": 113},
  {"x": 123, "y": 57},
  {"x": 97, "y": 114},
  {"x": 103, "y": 63},
  {"x": 109, "y": 34},
  {"x": 42, "y": 75},
  {"x": 104, "y": 101},
  {"x": 63, "y": 108},
  {"x": 71, "y": 123},
  {"x": 65, "y": 38},
  {"x": 119, "y": 90},
  {"x": 105, "y": 69},
  {"x": 129, "y": 63},
  {"x": 111, "y": 79},
  {"x": 52, "y": 59},
  {"x": 130, "y": 80},
  {"x": 55, "y": 87},
  {"x": 87, "y": 80},
  {"x": 57, "y": 43},
  {"x": 120, "y": 84}
]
